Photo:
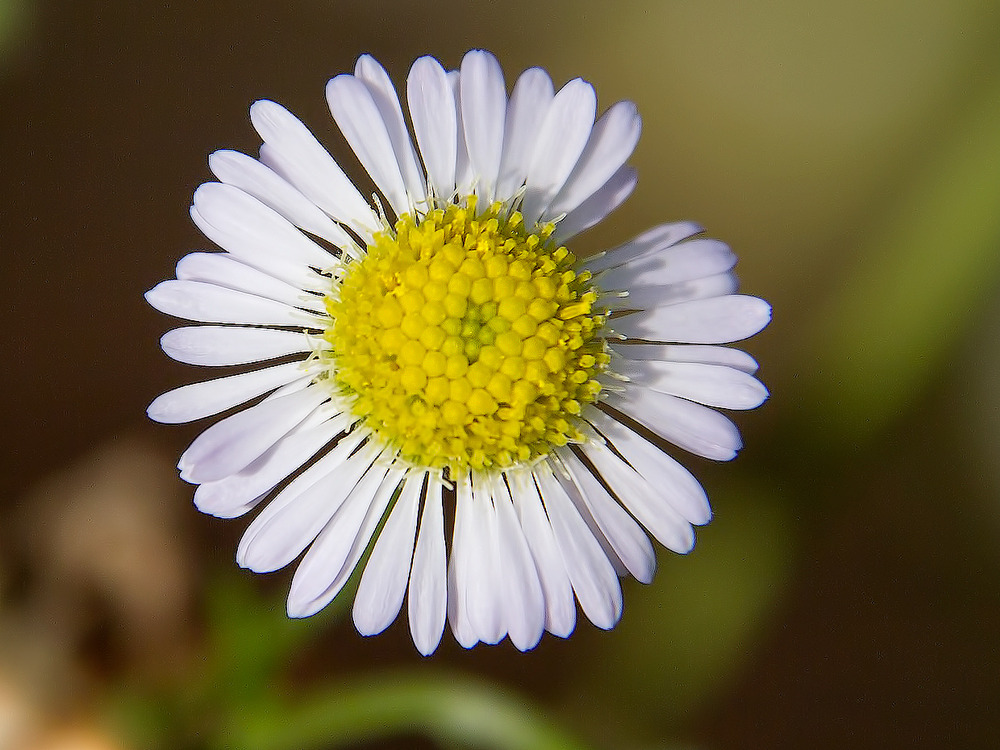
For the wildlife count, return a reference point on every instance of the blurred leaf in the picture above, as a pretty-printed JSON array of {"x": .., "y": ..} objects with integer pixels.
[
  {"x": 920, "y": 281},
  {"x": 684, "y": 635},
  {"x": 251, "y": 637},
  {"x": 15, "y": 23},
  {"x": 448, "y": 708}
]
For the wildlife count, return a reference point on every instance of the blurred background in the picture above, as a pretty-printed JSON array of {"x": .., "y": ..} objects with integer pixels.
[{"x": 848, "y": 590}]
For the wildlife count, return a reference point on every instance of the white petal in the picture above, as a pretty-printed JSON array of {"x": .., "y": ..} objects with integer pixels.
[
  {"x": 222, "y": 269},
  {"x": 254, "y": 233},
  {"x": 435, "y": 122},
  {"x": 483, "y": 577},
  {"x": 384, "y": 93},
  {"x": 383, "y": 583},
  {"x": 464, "y": 178},
  {"x": 529, "y": 103},
  {"x": 231, "y": 444},
  {"x": 716, "y": 320},
  {"x": 208, "y": 303},
  {"x": 299, "y": 512},
  {"x": 563, "y": 477},
  {"x": 315, "y": 581},
  {"x": 271, "y": 189},
  {"x": 559, "y": 143},
  {"x": 644, "y": 500},
  {"x": 613, "y": 193},
  {"x": 652, "y": 240},
  {"x": 594, "y": 579},
  {"x": 625, "y": 536},
  {"x": 427, "y": 600},
  {"x": 524, "y": 604},
  {"x": 463, "y": 548},
  {"x": 614, "y": 138},
  {"x": 484, "y": 109},
  {"x": 688, "y": 260},
  {"x": 220, "y": 346},
  {"x": 373, "y": 517},
  {"x": 693, "y": 427},
  {"x": 713, "y": 385},
  {"x": 672, "y": 482},
  {"x": 198, "y": 400},
  {"x": 360, "y": 121},
  {"x": 295, "y": 154},
  {"x": 640, "y": 298},
  {"x": 240, "y": 492},
  {"x": 709, "y": 355},
  {"x": 560, "y": 609}
]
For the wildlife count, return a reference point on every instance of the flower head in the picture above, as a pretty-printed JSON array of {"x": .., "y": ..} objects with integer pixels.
[{"x": 444, "y": 355}]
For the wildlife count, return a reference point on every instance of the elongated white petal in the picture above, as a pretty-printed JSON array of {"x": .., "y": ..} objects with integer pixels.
[
  {"x": 198, "y": 400},
  {"x": 675, "y": 484},
  {"x": 324, "y": 561},
  {"x": 709, "y": 355},
  {"x": 230, "y": 445},
  {"x": 593, "y": 210},
  {"x": 484, "y": 110},
  {"x": 360, "y": 121},
  {"x": 643, "y": 500},
  {"x": 222, "y": 269},
  {"x": 529, "y": 103},
  {"x": 383, "y": 92},
  {"x": 688, "y": 260},
  {"x": 592, "y": 526},
  {"x": 373, "y": 516},
  {"x": 625, "y": 536},
  {"x": 652, "y": 240},
  {"x": 693, "y": 427},
  {"x": 594, "y": 579},
  {"x": 464, "y": 178},
  {"x": 716, "y": 320},
  {"x": 298, "y": 513},
  {"x": 713, "y": 385},
  {"x": 250, "y": 230},
  {"x": 560, "y": 609},
  {"x": 219, "y": 346},
  {"x": 612, "y": 141},
  {"x": 383, "y": 583},
  {"x": 640, "y": 298},
  {"x": 558, "y": 145},
  {"x": 463, "y": 547},
  {"x": 435, "y": 122},
  {"x": 240, "y": 492},
  {"x": 427, "y": 600},
  {"x": 295, "y": 154},
  {"x": 482, "y": 593},
  {"x": 523, "y": 601},
  {"x": 208, "y": 303},
  {"x": 274, "y": 191}
]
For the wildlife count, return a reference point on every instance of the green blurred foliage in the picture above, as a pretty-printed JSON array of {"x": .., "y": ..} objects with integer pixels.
[
  {"x": 921, "y": 281},
  {"x": 680, "y": 642},
  {"x": 15, "y": 25}
]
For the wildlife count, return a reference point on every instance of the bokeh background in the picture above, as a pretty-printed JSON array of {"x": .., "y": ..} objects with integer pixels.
[{"x": 847, "y": 592}]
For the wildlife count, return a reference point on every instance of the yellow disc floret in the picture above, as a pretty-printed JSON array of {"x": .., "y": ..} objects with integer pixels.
[{"x": 465, "y": 341}]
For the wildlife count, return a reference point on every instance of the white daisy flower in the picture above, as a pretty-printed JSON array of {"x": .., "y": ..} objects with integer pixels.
[{"x": 443, "y": 361}]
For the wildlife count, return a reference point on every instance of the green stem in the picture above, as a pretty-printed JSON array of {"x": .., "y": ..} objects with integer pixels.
[{"x": 446, "y": 708}]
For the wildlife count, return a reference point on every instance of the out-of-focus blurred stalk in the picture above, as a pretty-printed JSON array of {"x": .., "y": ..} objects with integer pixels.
[
  {"x": 449, "y": 708},
  {"x": 919, "y": 282}
]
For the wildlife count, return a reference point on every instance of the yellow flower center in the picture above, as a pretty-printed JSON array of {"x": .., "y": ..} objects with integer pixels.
[{"x": 464, "y": 341}]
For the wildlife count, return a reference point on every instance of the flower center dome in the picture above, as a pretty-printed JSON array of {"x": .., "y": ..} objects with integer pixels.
[{"x": 465, "y": 341}]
